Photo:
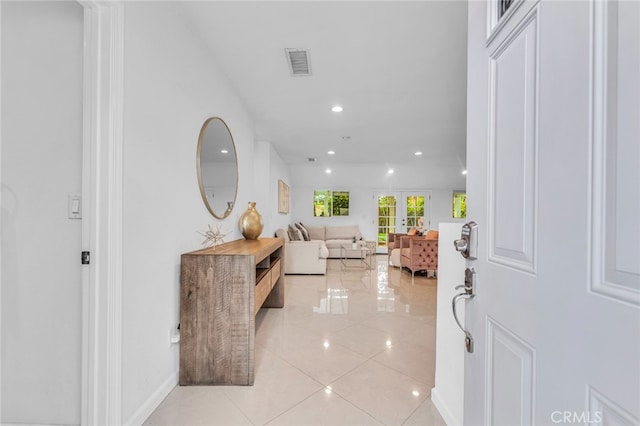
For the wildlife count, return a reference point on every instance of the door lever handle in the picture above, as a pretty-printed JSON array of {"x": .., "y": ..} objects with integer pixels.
[{"x": 468, "y": 337}]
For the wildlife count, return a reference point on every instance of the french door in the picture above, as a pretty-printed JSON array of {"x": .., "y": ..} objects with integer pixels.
[{"x": 399, "y": 211}]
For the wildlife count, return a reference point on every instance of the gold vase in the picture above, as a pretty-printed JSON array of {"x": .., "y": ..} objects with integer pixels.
[{"x": 251, "y": 222}]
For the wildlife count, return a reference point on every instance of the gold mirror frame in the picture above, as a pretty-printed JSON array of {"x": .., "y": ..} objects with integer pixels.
[{"x": 199, "y": 153}]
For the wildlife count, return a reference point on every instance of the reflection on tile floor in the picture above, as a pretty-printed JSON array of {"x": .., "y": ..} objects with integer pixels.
[{"x": 349, "y": 348}]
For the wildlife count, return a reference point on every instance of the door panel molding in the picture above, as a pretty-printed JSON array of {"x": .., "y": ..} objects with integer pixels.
[
  {"x": 510, "y": 383},
  {"x": 603, "y": 411},
  {"x": 513, "y": 147},
  {"x": 616, "y": 198},
  {"x": 496, "y": 24}
]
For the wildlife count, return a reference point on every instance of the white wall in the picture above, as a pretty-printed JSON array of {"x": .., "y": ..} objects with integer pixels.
[
  {"x": 172, "y": 85},
  {"x": 441, "y": 207},
  {"x": 41, "y": 164},
  {"x": 268, "y": 169}
]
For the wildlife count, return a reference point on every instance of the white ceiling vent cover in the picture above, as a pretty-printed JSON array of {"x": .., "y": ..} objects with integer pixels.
[{"x": 299, "y": 61}]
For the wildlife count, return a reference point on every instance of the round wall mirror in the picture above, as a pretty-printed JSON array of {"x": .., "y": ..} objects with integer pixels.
[{"x": 217, "y": 166}]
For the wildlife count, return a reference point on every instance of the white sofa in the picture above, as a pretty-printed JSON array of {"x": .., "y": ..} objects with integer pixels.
[
  {"x": 304, "y": 257},
  {"x": 310, "y": 257}
]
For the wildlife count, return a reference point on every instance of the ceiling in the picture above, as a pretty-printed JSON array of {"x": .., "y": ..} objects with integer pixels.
[{"x": 397, "y": 68}]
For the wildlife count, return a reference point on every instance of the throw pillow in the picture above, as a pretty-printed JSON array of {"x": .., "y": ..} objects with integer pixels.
[
  {"x": 305, "y": 233},
  {"x": 431, "y": 235},
  {"x": 294, "y": 234},
  {"x": 412, "y": 231}
]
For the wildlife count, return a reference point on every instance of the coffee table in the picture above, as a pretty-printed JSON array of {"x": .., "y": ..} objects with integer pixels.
[{"x": 363, "y": 255}]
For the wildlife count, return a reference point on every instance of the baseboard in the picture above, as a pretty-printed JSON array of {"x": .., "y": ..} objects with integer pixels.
[
  {"x": 145, "y": 410},
  {"x": 443, "y": 409}
]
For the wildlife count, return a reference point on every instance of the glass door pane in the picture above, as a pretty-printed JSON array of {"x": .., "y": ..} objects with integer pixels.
[
  {"x": 416, "y": 211},
  {"x": 387, "y": 216}
]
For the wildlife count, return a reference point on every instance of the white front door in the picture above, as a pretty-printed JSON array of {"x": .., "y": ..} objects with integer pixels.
[{"x": 554, "y": 184}]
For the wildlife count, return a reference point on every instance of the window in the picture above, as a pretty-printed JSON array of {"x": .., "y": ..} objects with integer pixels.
[
  {"x": 459, "y": 205},
  {"x": 322, "y": 203},
  {"x": 340, "y": 203},
  {"x": 330, "y": 203}
]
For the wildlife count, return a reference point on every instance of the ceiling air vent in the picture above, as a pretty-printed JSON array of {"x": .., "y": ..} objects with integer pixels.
[{"x": 298, "y": 60}]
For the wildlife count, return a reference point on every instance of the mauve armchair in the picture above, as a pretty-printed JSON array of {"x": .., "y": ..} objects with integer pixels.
[{"x": 419, "y": 253}]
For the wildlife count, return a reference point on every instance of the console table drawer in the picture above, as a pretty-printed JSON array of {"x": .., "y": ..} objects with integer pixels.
[
  {"x": 262, "y": 291},
  {"x": 275, "y": 272}
]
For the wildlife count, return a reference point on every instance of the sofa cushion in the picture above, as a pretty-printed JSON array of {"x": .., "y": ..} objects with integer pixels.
[
  {"x": 342, "y": 233},
  {"x": 316, "y": 232}
]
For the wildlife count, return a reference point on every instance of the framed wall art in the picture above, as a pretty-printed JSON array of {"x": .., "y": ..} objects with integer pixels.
[{"x": 283, "y": 197}]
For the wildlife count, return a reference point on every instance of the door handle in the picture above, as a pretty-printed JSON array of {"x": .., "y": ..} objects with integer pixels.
[
  {"x": 468, "y": 338},
  {"x": 469, "y": 293}
]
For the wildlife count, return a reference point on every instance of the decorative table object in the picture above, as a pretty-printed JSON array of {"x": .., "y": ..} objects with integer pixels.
[{"x": 251, "y": 222}]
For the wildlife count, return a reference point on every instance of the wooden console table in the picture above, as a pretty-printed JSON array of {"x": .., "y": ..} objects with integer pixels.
[{"x": 221, "y": 290}]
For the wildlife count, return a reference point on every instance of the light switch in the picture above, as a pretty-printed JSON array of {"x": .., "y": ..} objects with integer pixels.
[{"x": 75, "y": 206}]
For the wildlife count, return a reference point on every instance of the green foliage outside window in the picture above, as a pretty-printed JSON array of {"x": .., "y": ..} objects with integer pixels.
[
  {"x": 340, "y": 203},
  {"x": 415, "y": 210},
  {"x": 386, "y": 217},
  {"x": 459, "y": 205},
  {"x": 330, "y": 203},
  {"x": 322, "y": 203}
]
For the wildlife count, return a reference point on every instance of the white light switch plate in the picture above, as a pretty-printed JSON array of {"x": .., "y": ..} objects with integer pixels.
[{"x": 75, "y": 206}]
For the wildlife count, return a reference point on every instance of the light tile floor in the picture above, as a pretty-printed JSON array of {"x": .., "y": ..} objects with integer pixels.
[{"x": 348, "y": 348}]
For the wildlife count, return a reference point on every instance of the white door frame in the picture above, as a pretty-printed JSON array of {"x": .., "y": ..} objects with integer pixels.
[{"x": 102, "y": 193}]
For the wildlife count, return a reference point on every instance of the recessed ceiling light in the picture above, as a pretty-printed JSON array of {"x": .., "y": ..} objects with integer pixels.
[
  {"x": 464, "y": 172},
  {"x": 346, "y": 138},
  {"x": 331, "y": 152},
  {"x": 328, "y": 171},
  {"x": 418, "y": 153},
  {"x": 224, "y": 151},
  {"x": 311, "y": 159},
  {"x": 390, "y": 171},
  {"x": 337, "y": 108}
]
